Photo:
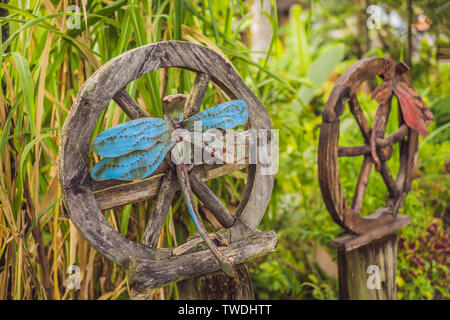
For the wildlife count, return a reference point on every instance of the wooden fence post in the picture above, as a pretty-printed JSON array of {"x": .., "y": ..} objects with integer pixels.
[
  {"x": 367, "y": 263},
  {"x": 218, "y": 286}
]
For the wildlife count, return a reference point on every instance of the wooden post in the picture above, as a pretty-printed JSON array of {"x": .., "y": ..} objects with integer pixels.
[
  {"x": 367, "y": 263},
  {"x": 218, "y": 286}
]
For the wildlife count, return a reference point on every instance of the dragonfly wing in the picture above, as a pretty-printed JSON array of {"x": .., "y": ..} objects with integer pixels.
[
  {"x": 139, "y": 134},
  {"x": 226, "y": 116},
  {"x": 137, "y": 164}
]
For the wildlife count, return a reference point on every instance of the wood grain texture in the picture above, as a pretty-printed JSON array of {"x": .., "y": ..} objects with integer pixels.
[
  {"x": 77, "y": 188},
  {"x": 348, "y": 84},
  {"x": 144, "y": 275},
  {"x": 129, "y": 106},
  {"x": 354, "y": 281},
  {"x": 164, "y": 199},
  {"x": 394, "y": 137},
  {"x": 218, "y": 286}
]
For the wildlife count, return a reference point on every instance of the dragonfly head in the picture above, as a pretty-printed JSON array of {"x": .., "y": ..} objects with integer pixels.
[{"x": 173, "y": 106}]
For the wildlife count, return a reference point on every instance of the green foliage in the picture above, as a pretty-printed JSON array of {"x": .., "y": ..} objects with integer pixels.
[
  {"x": 424, "y": 263},
  {"x": 47, "y": 64}
]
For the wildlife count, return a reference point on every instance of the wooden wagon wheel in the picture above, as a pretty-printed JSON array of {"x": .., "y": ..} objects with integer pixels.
[
  {"x": 345, "y": 91},
  {"x": 85, "y": 199}
]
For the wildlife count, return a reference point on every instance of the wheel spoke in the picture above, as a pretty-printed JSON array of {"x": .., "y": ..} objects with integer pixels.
[
  {"x": 165, "y": 197},
  {"x": 394, "y": 137},
  {"x": 388, "y": 180},
  {"x": 197, "y": 94},
  {"x": 361, "y": 185},
  {"x": 381, "y": 124},
  {"x": 129, "y": 106},
  {"x": 353, "y": 151},
  {"x": 356, "y": 110},
  {"x": 403, "y": 158},
  {"x": 210, "y": 200}
]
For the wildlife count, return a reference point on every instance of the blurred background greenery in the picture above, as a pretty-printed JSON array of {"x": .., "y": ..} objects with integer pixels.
[{"x": 290, "y": 53}]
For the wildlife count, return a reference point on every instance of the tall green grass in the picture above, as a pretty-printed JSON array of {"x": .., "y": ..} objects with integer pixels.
[{"x": 43, "y": 64}]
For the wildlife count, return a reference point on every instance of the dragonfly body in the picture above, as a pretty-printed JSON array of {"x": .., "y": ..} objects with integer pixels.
[{"x": 133, "y": 150}]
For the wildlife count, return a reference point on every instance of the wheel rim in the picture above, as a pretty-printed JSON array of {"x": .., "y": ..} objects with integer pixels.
[
  {"x": 98, "y": 90},
  {"x": 345, "y": 91}
]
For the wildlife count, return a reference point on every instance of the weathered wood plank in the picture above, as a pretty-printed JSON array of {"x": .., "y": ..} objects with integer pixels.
[
  {"x": 195, "y": 98},
  {"x": 348, "y": 84},
  {"x": 361, "y": 185},
  {"x": 350, "y": 242},
  {"x": 144, "y": 275},
  {"x": 135, "y": 191},
  {"x": 369, "y": 272}
]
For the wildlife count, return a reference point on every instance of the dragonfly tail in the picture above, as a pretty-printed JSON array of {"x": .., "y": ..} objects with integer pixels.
[{"x": 225, "y": 264}]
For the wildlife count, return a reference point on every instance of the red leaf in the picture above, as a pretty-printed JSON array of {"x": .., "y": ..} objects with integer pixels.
[
  {"x": 413, "y": 115},
  {"x": 427, "y": 115}
]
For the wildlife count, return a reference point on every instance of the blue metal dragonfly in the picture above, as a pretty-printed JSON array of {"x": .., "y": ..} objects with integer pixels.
[{"x": 134, "y": 149}]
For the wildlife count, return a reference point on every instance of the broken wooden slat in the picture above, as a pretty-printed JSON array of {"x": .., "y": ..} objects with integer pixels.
[{"x": 141, "y": 190}]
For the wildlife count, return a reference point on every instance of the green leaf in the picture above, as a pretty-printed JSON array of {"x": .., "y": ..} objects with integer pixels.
[
  {"x": 27, "y": 149},
  {"x": 27, "y": 87},
  {"x": 320, "y": 70},
  {"x": 125, "y": 219}
]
